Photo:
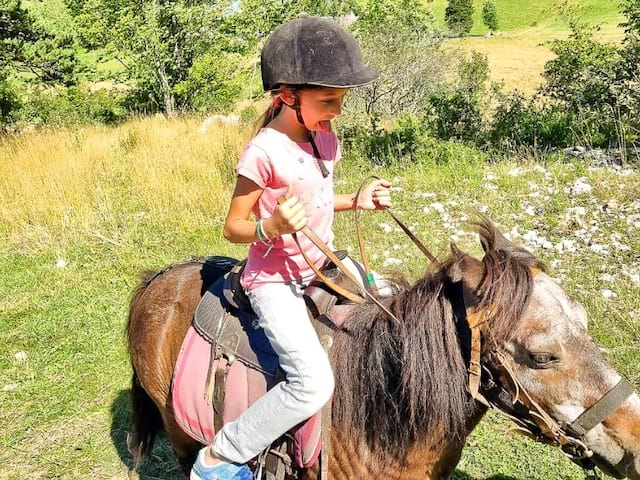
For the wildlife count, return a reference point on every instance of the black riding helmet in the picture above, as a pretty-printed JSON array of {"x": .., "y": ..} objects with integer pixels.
[{"x": 313, "y": 51}]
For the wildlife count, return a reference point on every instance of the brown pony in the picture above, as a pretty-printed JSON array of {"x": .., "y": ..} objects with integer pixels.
[{"x": 402, "y": 408}]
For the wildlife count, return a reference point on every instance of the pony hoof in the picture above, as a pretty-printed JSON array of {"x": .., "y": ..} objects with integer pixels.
[{"x": 134, "y": 447}]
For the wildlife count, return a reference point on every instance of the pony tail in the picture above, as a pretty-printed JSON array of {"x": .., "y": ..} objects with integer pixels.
[{"x": 271, "y": 113}]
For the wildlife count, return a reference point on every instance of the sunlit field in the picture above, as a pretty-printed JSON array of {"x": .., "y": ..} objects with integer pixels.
[{"x": 83, "y": 212}]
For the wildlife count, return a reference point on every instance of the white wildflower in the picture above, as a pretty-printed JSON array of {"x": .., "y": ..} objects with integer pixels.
[
  {"x": 606, "y": 293},
  {"x": 606, "y": 277},
  {"x": 577, "y": 211},
  {"x": 392, "y": 262},
  {"x": 10, "y": 387},
  {"x": 60, "y": 263},
  {"x": 483, "y": 208},
  {"x": 530, "y": 210},
  {"x": 516, "y": 172},
  {"x": 489, "y": 177},
  {"x": 437, "y": 206},
  {"x": 566, "y": 245},
  {"x": 20, "y": 356},
  {"x": 386, "y": 227}
]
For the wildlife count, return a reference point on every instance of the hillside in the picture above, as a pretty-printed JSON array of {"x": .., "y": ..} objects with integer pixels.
[{"x": 517, "y": 52}]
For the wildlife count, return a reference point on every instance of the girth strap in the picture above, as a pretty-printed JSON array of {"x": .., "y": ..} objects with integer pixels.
[{"x": 604, "y": 407}]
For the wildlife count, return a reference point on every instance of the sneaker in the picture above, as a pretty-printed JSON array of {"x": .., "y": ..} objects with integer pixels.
[{"x": 219, "y": 471}]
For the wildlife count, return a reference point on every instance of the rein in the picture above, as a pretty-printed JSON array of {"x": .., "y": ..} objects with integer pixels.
[{"x": 363, "y": 254}]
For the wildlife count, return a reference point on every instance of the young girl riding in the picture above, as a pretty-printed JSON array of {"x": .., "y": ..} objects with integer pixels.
[{"x": 308, "y": 66}]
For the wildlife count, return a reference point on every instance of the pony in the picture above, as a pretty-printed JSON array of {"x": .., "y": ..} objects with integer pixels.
[{"x": 404, "y": 400}]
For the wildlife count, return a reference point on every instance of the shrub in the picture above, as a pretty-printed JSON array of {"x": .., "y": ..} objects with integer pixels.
[
  {"x": 72, "y": 106},
  {"x": 9, "y": 104},
  {"x": 519, "y": 121}
]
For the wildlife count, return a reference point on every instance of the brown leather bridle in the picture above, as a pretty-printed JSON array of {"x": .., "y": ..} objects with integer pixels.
[{"x": 486, "y": 386}]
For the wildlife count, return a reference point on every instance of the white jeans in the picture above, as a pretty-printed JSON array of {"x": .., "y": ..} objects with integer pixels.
[{"x": 282, "y": 314}]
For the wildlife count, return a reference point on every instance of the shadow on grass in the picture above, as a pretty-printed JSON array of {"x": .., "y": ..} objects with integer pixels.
[
  {"x": 460, "y": 475},
  {"x": 160, "y": 465}
]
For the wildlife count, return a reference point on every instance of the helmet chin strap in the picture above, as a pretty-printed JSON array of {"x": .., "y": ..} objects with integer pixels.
[
  {"x": 296, "y": 106},
  {"x": 316, "y": 152}
]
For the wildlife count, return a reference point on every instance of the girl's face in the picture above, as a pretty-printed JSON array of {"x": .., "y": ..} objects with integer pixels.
[{"x": 320, "y": 105}]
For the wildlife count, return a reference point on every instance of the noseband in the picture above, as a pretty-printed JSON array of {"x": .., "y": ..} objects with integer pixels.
[{"x": 487, "y": 386}]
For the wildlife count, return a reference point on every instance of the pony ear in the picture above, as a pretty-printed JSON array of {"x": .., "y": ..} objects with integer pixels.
[{"x": 467, "y": 270}]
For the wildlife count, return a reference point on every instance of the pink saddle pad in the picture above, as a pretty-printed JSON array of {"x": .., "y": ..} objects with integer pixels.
[{"x": 243, "y": 387}]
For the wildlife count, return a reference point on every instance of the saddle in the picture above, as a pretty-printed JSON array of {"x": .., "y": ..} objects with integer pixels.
[{"x": 226, "y": 363}]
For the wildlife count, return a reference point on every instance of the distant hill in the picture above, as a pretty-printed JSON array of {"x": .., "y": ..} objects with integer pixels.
[{"x": 517, "y": 51}]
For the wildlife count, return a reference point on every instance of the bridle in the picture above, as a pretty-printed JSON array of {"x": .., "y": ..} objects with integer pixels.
[{"x": 487, "y": 386}]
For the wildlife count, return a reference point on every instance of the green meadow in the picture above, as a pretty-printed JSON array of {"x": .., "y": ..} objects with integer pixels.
[{"x": 83, "y": 212}]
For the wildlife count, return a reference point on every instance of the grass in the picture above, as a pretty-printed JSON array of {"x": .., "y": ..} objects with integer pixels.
[{"x": 84, "y": 211}]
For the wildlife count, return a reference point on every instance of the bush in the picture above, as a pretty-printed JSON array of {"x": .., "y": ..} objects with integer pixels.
[
  {"x": 72, "y": 106},
  {"x": 458, "y": 113},
  {"x": 9, "y": 104},
  {"x": 519, "y": 121},
  {"x": 401, "y": 40}
]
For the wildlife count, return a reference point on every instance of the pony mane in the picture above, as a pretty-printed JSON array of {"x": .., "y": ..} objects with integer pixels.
[{"x": 396, "y": 383}]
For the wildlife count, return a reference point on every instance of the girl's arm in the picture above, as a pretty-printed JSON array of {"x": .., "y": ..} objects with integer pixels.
[
  {"x": 375, "y": 196},
  {"x": 287, "y": 218}
]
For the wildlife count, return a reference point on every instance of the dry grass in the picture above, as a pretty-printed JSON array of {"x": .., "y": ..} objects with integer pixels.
[
  {"x": 59, "y": 185},
  {"x": 518, "y": 59}
]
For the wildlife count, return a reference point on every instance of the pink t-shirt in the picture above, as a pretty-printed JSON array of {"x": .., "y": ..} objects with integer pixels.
[{"x": 273, "y": 161}]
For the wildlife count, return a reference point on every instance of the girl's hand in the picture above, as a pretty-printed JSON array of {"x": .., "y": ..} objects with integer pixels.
[
  {"x": 375, "y": 196},
  {"x": 288, "y": 217}
]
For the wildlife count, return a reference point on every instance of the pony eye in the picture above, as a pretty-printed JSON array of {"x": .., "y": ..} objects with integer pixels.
[{"x": 543, "y": 359}]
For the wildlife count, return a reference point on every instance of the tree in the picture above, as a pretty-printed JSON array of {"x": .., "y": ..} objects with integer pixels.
[
  {"x": 490, "y": 15},
  {"x": 185, "y": 54},
  {"x": 458, "y": 16},
  {"x": 400, "y": 39},
  {"x": 26, "y": 47}
]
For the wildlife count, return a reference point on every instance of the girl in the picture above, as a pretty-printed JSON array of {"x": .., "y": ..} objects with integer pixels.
[{"x": 308, "y": 65}]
